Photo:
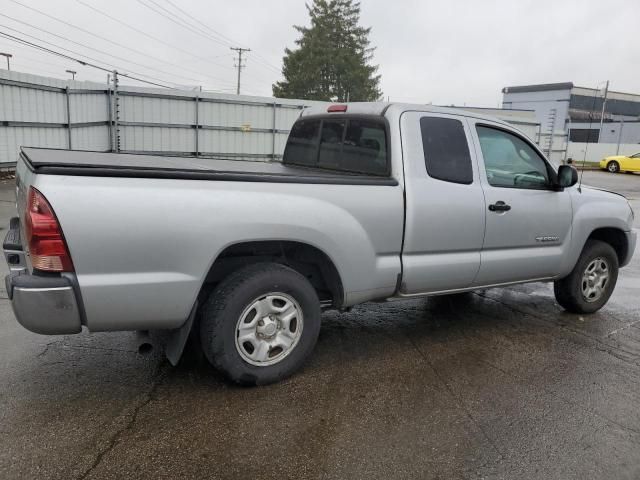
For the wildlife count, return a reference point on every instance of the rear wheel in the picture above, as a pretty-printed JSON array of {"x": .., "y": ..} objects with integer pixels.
[
  {"x": 260, "y": 324},
  {"x": 613, "y": 166},
  {"x": 588, "y": 287}
]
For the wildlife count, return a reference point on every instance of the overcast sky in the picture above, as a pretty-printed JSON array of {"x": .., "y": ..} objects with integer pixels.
[{"x": 445, "y": 52}]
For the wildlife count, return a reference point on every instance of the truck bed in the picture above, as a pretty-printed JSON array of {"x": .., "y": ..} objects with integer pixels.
[{"x": 100, "y": 164}]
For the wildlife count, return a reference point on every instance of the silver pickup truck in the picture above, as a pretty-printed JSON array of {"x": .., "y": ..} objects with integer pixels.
[{"x": 371, "y": 201}]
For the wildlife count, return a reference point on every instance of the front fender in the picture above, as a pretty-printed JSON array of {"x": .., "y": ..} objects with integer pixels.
[{"x": 592, "y": 210}]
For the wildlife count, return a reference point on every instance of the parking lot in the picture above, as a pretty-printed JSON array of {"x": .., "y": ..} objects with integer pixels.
[{"x": 492, "y": 384}]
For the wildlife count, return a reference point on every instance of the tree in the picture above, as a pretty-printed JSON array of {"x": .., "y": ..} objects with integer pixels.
[{"x": 332, "y": 61}]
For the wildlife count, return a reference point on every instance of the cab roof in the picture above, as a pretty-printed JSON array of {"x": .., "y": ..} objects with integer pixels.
[{"x": 393, "y": 108}]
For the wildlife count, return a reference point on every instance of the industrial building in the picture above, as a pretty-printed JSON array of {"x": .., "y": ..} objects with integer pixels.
[{"x": 571, "y": 115}]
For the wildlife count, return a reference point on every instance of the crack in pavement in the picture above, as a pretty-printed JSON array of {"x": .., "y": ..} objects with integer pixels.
[
  {"x": 84, "y": 347},
  {"x": 46, "y": 347},
  {"x": 102, "y": 349},
  {"x": 117, "y": 435},
  {"x": 561, "y": 397},
  {"x": 617, "y": 330},
  {"x": 601, "y": 346},
  {"x": 457, "y": 399}
]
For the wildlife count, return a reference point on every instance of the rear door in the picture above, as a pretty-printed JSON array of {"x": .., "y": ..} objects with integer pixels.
[
  {"x": 444, "y": 224},
  {"x": 528, "y": 221}
]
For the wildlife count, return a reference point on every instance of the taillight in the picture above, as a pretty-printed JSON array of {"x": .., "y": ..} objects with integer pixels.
[{"x": 47, "y": 248}]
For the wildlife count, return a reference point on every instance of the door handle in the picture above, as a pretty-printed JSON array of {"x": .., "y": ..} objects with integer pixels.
[{"x": 499, "y": 206}]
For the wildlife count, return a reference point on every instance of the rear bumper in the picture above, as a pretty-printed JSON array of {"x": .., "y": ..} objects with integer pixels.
[
  {"x": 42, "y": 304},
  {"x": 45, "y": 305}
]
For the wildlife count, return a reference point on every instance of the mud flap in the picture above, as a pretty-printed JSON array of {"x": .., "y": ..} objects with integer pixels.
[{"x": 178, "y": 338}]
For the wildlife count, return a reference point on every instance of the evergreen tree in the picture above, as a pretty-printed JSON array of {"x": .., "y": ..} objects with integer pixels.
[{"x": 332, "y": 61}]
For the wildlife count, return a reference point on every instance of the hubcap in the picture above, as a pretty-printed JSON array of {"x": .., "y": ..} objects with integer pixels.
[
  {"x": 594, "y": 279},
  {"x": 613, "y": 167},
  {"x": 269, "y": 329}
]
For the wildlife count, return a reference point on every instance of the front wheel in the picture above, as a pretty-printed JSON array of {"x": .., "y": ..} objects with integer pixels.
[
  {"x": 613, "y": 167},
  {"x": 590, "y": 284},
  {"x": 260, "y": 324}
]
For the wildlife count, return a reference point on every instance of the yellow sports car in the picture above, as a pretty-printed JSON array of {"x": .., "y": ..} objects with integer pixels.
[{"x": 621, "y": 163}]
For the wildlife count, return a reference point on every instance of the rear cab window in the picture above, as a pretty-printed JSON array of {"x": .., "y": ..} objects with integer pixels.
[{"x": 345, "y": 144}]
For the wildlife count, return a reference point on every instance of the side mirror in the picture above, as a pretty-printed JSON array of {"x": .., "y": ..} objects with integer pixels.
[{"x": 567, "y": 176}]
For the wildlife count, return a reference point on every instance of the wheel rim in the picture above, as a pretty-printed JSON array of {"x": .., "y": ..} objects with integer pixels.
[
  {"x": 595, "y": 279},
  {"x": 269, "y": 329},
  {"x": 613, "y": 167}
]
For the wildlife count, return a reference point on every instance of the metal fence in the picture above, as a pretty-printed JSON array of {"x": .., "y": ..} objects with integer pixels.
[{"x": 43, "y": 112}]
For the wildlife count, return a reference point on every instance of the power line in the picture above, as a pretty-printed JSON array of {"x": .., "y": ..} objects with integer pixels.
[
  {"x": 137, "y": 30},
  {"x": 96, "y": 35},
  {"x": 89, "y": 48},
  {"x": 224, "y": 37},
  {"x": 259, "y": 57},
  {"x": 167, "y": 14},
  {"x": 181, "y": 22},
  {"x": 85, "y": 63},
  {"x": 81, "y": 62},
  {"x": 186, "y": 26},
  {"x": 189, "y": 28}
]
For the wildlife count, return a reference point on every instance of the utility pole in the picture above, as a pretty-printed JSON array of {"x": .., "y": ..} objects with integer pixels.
[
  {"x": 604, "y": 103},
  {"x": 239, "y": 65},
  {"x": 8, "y": 55}
]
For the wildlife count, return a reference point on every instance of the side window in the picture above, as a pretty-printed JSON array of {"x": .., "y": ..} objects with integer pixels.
[
  {"x": 446, "y": 152},
  {"x": 510, "y": 161},
  {"x": 302, "y": 145}
]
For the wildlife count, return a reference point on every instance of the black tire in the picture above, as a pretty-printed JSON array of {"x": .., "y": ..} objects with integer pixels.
[
  {"x": 568, "y": 291},
  {"x": 613, "y": 166},
  {"x": 225, "y": 305}
]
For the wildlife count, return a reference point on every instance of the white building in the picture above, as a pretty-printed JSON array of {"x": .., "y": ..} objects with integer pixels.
[{"x": 570, "y": 114}]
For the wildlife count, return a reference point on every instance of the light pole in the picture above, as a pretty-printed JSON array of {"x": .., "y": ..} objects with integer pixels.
[
  {"x": 8, "y": 55},
  {"x": 604, "y": 104},
  {"x": 73, "y": 74}
]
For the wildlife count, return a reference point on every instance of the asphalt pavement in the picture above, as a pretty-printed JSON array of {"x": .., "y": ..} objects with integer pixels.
[{"x": 493, "y": 384}]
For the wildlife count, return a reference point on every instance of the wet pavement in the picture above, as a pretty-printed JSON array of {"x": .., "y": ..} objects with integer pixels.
[{"x": 492, "y": 384}]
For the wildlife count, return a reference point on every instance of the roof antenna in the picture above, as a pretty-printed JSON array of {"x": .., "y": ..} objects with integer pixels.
[{"x": 586, "y": 147}]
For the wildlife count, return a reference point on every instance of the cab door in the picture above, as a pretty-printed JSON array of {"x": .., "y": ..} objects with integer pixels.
[
  {"x": 444, "y": 219},
  {"x": 528, "y": 220}
]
